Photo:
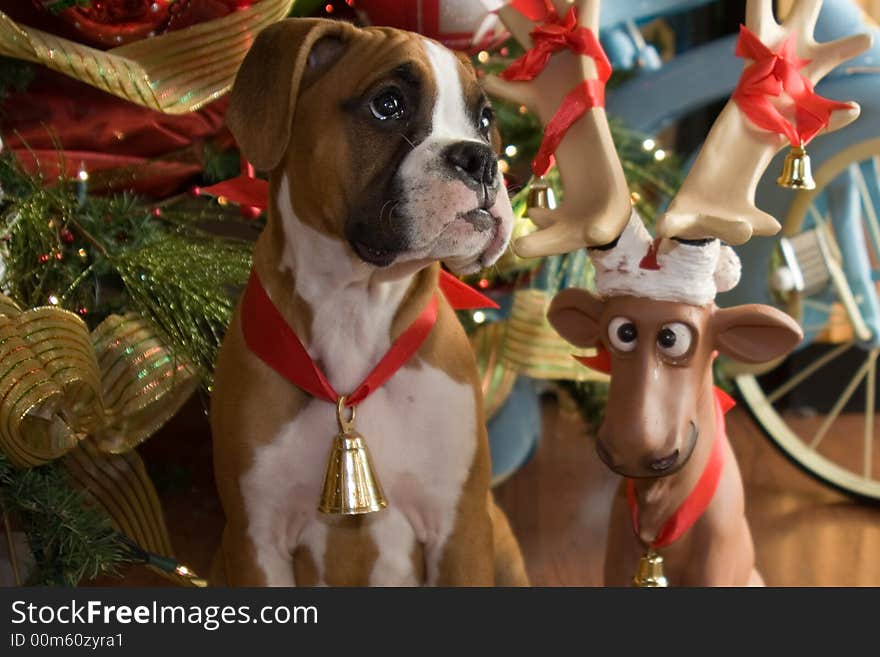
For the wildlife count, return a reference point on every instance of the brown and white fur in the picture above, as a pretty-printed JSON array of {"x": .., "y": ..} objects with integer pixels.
[{"x": 361, "y": 210}]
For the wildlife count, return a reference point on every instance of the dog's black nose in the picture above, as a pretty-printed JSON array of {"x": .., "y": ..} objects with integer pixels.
[{"x": 472, "y": 162}]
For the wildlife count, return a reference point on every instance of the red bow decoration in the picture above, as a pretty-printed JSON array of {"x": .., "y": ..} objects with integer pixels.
[
  {"x": 247, "y": 191},
  {"x": 555, "y": 34},
  {"x": 770, "y": 74}
]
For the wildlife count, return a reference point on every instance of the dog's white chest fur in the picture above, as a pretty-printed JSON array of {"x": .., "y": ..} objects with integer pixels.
[{"x": 421, "y": 429}]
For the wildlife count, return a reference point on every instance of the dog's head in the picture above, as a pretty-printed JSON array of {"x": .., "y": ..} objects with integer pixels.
[{"x": 386, "y": 137}]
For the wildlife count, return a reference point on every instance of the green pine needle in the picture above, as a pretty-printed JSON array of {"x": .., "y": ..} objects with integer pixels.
[{"x": 71, "y": 539}]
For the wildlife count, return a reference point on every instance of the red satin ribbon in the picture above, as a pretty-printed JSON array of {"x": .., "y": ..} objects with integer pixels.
[
  {"x": 769, "y": 75},
  {"x": 555, "y": 34},
  {"x": 698, "y": 500},
  {"x": 275, "y": 343},
  {"x": 59, "y": 125}
]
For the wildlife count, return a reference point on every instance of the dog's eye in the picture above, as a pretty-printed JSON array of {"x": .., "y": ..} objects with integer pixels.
[
  {"x": 674, "y": 340},
  {"x": 387, "y": 105},
  {"x": 623, "y": 334},
  {"x": 487, "y": 117}
]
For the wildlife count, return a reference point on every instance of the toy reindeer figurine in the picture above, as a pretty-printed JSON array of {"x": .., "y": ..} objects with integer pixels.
[
  {"x": 654, "y": 319},
  {"x": 657, "y": 329}
]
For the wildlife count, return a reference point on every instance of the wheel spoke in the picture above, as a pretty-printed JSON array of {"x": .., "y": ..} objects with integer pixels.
[
  {"x": 808, "y": 371},
  {"x": 870, "y": 390},
  {"x": 841, "y": 402},
  {"x": 870, "y": 212},
  {"x": 817, "y": 305}
]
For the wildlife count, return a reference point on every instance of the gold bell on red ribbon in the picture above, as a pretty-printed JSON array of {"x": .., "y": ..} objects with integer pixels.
[
  {"x": 650, "y": 573},
  {"x": 351, "y": 487},
  {"x": 796, "y": 171},
  {"x": 540, "y": 196}
]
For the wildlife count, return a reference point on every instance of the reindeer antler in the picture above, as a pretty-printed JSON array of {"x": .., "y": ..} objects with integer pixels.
[
  {"x": 717, "y": 198},
  {"x": 597, "y": 205}
]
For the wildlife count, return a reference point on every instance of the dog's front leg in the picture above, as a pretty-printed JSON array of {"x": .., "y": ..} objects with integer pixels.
[
  {"x": 466, "y": 558},
  {"x": 247, "y": 562}
]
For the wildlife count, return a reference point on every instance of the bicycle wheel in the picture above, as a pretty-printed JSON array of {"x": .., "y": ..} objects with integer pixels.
[{"x": 838, "y": 312}]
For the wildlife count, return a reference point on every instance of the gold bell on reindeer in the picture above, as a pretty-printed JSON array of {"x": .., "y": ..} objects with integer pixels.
[
  {"x": 650, "y": 573},
  {"x": 540, "y": 196},
  {"x": 796, "y": 171},
  {"x": 350, "y": 484}
]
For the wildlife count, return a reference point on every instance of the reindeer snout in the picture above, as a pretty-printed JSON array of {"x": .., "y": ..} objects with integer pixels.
[
  {"x": 664, "y": 463},
  {"x": 644, "y": 456}
]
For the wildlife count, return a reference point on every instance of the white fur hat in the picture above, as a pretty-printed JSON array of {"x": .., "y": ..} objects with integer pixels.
[{"x": 687, "y": 272}]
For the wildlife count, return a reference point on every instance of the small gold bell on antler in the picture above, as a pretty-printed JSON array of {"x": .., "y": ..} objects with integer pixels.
[
  {"x": 350, "y": 485},
  {"x": 796, "y": 172},
  {"x": 540, "y": 196},
  {"x": 650, "y": 572}
]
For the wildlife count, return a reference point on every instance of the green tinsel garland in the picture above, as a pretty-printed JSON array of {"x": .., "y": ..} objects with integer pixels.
[{"x": 97, "y": 255}]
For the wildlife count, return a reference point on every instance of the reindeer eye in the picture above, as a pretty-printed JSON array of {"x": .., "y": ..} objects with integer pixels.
[
  {"x": 675, "y": 339},
  {"x": 623, "y": 334}
]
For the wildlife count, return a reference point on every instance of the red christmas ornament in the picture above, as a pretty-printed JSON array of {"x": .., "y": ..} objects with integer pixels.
[
  {"x": 451, "y": 22},
  {"x": 111, "y": 23}
]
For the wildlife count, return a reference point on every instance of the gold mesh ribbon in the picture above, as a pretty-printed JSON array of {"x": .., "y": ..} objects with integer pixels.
[
  {"x": 59, "y": 385},
  {"x": 532, "y": 347},
  {"x": 496, "y": 378},
  {"x": 176, "y": 72},
  {"x": 120, "y": 484},
  {"x": 91, "y": 398}
]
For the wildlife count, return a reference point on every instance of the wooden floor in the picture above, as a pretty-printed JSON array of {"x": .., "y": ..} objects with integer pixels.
[{"x": 805, "y": 533}]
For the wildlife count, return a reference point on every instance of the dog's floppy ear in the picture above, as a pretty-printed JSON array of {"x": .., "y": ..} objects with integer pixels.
[{"x": 263, "y": 98}]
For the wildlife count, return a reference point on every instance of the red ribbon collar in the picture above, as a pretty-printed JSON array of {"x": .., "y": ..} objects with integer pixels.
[
  {"x": 555, "y": 34},
  {"x": 698, "y": 500},
  {"x": 270, "y": 337},
  {"x": 772, "y": 73}
]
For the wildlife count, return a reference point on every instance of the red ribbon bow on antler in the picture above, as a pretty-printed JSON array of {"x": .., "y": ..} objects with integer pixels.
[
  {"x": 771, "y": 74},
  {"x": 555, "y": 34}
]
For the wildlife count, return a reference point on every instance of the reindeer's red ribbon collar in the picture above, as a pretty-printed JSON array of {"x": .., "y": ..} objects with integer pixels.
[
  {"x": 698, "y": 500},
  {"x": 270, "y": 337},
  {"x": 555, "y": 34},
  {"x": 772, "y": 73}
]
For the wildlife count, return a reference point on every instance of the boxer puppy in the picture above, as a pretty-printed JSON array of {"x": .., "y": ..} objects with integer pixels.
[{"x": 381, "y": 148}]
